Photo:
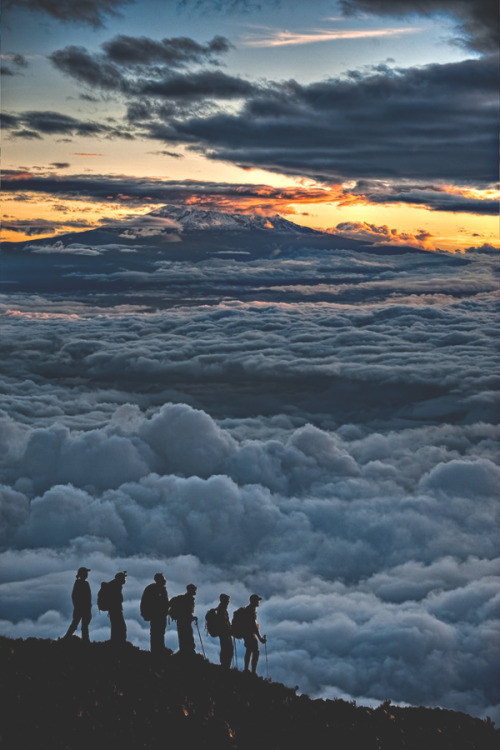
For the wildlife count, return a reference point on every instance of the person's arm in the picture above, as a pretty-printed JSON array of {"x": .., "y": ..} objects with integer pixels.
[{"x": 262, "y": 638}]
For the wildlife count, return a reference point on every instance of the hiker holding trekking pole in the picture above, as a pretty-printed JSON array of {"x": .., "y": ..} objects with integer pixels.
[
  {"x": 245, "y": 626},
  {"x": 181, "y": 609}
]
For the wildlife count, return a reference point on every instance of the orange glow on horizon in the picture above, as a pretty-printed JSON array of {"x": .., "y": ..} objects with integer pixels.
[
  {"x": 474, "y": 193},
  {"x": 324, "y": 207}
]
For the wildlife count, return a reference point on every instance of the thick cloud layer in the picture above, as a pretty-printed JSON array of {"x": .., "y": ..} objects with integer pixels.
[
  {"x": 339, "y": 456},
  {"x": 378, "y": 125}
]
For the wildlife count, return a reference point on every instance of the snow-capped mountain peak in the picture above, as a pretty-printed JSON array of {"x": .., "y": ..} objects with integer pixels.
[{"x": 196, "y": 219}]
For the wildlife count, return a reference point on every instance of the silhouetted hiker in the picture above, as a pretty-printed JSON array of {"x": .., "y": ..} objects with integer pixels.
[
  {"x": 224, "y": 630},
  {"x": 82, "y": 605},
  {"x": 252, "y": 637},
  {"x": 154, "y": 608},
  {"x": 110, "y": 600},
  {"x": 182, "y": 610}
]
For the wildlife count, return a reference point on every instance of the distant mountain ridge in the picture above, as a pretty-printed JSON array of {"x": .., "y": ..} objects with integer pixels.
[
  {"x": 70, "y": 696},
  {"x": 196, "y": 219}
]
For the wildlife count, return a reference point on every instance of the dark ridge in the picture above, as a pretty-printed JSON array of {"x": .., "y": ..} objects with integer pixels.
[{"x": 71, "y": 696}]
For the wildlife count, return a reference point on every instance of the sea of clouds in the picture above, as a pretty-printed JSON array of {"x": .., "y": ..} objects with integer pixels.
[{"x": 337, "y": 455}]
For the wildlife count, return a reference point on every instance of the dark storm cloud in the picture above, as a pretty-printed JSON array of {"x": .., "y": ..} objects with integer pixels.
[
  {"x": 138, "y": 66},
  {"x": 92, "y": 70},
  {"x": 203, "y": 85},
  {"x": 174, "y": 52},
  {"x": 92, "y": 12},
  {"x": 434, "y": 122},
  {"x": 478, "y": 19}
]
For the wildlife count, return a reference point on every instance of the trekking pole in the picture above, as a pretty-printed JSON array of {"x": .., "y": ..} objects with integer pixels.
[
  {"x": 199, "y": 634},
  {"x": 267, "y": 662}
]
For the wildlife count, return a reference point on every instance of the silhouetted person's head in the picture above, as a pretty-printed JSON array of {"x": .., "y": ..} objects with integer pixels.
[
  {"x": 121, "y": 577},
  {"x": 82, "y": 573},
  {"x": 160, "y": 579},
  {"x": 255, "y": 600},
  {"x": 191, "y": 589},
  {"x": 224, "y": 599}
]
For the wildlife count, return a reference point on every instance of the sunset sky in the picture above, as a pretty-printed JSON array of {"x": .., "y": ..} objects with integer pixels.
[{"x": 331, "y": 112}]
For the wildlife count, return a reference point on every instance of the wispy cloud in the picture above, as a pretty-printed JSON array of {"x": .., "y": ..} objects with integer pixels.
[{"x": 280, "y": 38}]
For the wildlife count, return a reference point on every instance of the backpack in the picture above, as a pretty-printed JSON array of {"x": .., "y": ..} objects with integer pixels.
[
  {"x": 212, "y": 623},
  {"x": 104, "y": 596},
  {"x": 240, "y": 625},
  {"x": 146, "y": 608},
  {"x": 176, "y": 607}
]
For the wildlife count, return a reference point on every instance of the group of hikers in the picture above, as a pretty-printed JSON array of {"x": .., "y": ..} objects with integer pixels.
[{"x": 156, "y": 607}]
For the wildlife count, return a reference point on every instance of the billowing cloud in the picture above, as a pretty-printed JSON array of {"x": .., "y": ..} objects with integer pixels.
[{"x": 383, "y": 234}]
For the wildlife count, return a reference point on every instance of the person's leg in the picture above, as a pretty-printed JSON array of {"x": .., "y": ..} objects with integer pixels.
[
  {"x": 122, "y": 628},
  {"x": 186, "y": 638},
  {"x": 157, "y": 635},
  {"x": 248, "y": 652},
  {"x": 226, "y": 651},
  {"x": 74, "y": 624},
  {"x": 255, "y": 656},
  {"x": 118, "y": 627},
  {"x": 85, "y": 627}
]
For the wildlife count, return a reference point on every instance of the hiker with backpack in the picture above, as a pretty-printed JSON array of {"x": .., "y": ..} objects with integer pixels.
[
  {"x": 245, "y": 626},
  {"x": 181, "y": 609},
  {"x": 110, "y": 600},
  {"x": 154, "y": 609},
  {"x": 82, "y": 605},
  {"x": 218, "y": 625}
]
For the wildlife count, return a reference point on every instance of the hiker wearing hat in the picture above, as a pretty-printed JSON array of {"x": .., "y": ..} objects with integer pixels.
[
  {"x": 115, "y": 608},
  {"x": 185, "y": 618},
  {"x": 82, "y": 605},
  {"x": 154, "y": 608},
  {"x": 224, "y": 630},
  {"x": 252, "y": 637}
]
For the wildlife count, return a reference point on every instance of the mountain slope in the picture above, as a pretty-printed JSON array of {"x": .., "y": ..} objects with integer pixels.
[{"x": 65, "y": 695}]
